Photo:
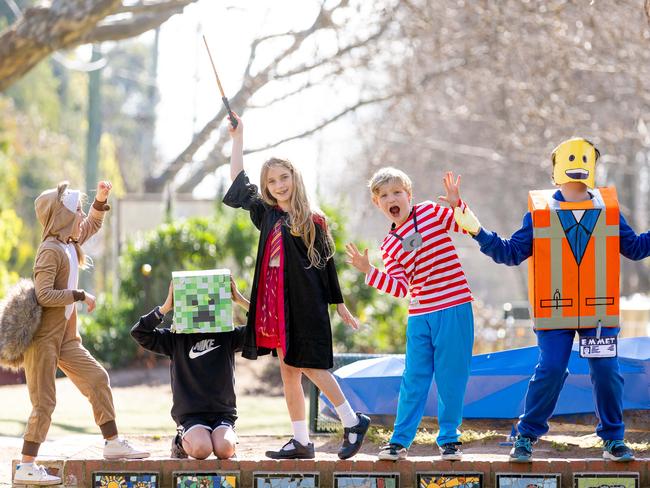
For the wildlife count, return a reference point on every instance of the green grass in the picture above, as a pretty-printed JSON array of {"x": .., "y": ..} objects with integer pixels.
[
  {"x": 560, "y": 446},
  {"x": 425, "y": 437},
  {"x": 140, "y": 410}
]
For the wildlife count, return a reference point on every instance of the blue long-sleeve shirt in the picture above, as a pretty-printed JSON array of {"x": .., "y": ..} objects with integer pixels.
[{"x": 519, "y": 247}]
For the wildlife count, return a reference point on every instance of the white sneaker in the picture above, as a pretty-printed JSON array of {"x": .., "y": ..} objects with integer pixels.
[
  {"x": 121, "y": 449},
  {"x": 34, "y": 475}
]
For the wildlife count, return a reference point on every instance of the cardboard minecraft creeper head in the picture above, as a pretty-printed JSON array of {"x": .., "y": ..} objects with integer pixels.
[{"x": 202, "y": 301}]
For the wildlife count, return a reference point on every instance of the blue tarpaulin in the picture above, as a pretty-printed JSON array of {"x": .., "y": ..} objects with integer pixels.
[{"x": 498, "y": 382}]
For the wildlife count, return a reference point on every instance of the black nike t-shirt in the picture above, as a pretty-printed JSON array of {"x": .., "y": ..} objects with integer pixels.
[{"x": 202, "y": 367}]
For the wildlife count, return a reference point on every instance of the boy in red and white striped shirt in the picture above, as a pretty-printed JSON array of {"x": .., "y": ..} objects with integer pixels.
[{"x": 421, "y": 259}]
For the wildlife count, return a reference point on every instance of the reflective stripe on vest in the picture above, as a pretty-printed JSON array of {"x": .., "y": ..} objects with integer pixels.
[{"x": 573, "y": 274}]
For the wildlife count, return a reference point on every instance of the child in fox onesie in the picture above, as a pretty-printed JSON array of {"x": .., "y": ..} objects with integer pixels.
[{"x": 56, "y": 342}]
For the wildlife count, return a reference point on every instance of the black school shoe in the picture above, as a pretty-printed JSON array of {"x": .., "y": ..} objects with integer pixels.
[
  {"x": 177, "y": 448},
  {"x": 349, "y": 449},
  {"x": 298, "y": 451}
]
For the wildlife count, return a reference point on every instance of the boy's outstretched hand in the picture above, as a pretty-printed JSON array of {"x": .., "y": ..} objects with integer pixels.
[
  {"x": 169, "y": 301},
  {"x": 467, "y": 221},
  {"x": 356, "y": 259},
  {"x": 452, "y": 190},
  {"x": 347, "y": 316}
]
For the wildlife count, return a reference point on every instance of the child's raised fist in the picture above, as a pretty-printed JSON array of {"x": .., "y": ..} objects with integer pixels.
[{"x": 103, "y": 189}]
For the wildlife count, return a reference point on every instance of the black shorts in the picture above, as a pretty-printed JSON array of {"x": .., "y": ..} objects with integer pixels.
[{"x": 209, "y": 422}]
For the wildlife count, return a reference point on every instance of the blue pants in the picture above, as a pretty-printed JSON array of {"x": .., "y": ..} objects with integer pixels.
[
  {"x": 551, "y": 372},
  {"x": 440, "y": 344}
]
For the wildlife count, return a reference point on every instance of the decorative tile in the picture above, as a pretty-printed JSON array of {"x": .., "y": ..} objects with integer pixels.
[
  {"x": 606, "y": 480},
  {"x": 125, "y": 480},
  {"x": 285, "y": 480},
  {"x": 376, "y": 480},
  {"x": 205, "y": 480},
  {"x": 528, "y": 481},
  {"x": 450, "y": 480}
]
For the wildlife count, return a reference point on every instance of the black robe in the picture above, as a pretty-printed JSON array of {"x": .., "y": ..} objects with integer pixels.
[{"x": 307, "y": 290}]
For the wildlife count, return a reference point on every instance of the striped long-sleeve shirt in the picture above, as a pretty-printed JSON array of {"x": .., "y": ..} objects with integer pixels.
[{"x": 432, "y": 274}]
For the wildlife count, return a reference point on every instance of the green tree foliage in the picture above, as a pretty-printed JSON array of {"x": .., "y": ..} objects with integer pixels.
[
  {"x": 129, "y": 96},
  {"x": 229, "y": 239},
  {"x": 146, "y": 267},
  {"x": 106, "y": 331},
  {"x": 10, "y": 224},
  {"x": 186, "y": 245},
  {"x": 42, "y": 115}
]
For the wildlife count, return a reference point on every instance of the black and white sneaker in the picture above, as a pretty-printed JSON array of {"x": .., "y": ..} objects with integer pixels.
[
  {"x": 451, "y": 451},
  {"x": 392, "y": 452},
  {"x": 177, "y": 451},
  {"x": 293, "y": 450}
]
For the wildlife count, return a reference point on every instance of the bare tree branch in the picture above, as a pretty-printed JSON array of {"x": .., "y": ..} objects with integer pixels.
[
  {"x": 148, "y": 17},
  {"x": 155, "y": 184},
  {"x": 305, "y": 86},
  {"x": 154, "y": 7},
  {"x": 216, "y": 158},
  {"x": 323, "y": 20},
  {"x": 40, "y": 31},
  {"x": 43, "y": 30},
  {"x": 340, "y": 52},
  {"x": 323, "y": 124}
]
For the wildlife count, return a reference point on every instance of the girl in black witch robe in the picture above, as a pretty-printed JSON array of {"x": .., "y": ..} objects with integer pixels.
[{"x": 295, "y": 281}]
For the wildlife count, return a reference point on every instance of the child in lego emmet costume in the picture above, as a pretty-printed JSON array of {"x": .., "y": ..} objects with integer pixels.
[
  {"x": 574, "y": 236},
  {"x": 56, "y": 342}
]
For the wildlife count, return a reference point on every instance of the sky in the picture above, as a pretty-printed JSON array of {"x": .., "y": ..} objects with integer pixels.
[{"x": 189, "y": 96}]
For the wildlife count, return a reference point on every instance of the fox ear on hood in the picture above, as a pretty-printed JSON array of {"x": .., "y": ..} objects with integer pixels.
[{"x": 61, "y": 188}]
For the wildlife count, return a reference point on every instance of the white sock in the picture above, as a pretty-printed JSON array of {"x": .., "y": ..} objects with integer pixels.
[
  {"x": 348, "y": 418},
  {"x": 26, "y": 465},
  {"x": 300, "y": 431}
]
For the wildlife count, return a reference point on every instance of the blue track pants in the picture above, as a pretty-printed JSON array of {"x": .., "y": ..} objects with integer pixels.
[{"x": 438, "y": 344}]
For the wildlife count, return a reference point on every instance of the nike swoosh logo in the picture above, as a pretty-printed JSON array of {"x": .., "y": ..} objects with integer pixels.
[{"x": 193, "y": 354}]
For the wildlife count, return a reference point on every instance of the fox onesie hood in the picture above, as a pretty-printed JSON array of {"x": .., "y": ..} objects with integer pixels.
[{"x": 56, "y": 210}]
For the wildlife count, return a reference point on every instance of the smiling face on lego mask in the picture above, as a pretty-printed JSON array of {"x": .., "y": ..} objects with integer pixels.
[{"x": 574, "y": 160}]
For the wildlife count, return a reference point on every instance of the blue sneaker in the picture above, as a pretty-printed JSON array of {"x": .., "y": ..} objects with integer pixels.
[
  {"x": 617, "y": 451},
  {"x": 522, "y": 452}
]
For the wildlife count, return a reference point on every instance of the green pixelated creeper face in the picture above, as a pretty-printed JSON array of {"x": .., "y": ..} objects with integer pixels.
[{"x": 202, "y": 301}]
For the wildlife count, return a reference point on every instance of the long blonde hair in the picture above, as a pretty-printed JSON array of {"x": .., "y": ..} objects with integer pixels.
[{"x": 301, "y": 215}]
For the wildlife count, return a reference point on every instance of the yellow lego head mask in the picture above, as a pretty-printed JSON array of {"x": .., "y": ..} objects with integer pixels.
[{"x": 575, "y": 160}]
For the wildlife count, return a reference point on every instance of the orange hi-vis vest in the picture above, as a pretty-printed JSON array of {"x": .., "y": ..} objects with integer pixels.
[{"x": 573, "y": 274}]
